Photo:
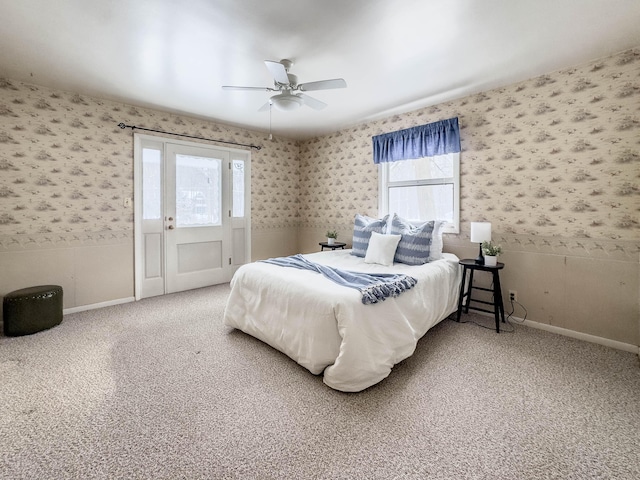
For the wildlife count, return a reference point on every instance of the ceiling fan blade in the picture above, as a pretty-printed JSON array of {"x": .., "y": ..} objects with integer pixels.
[
  {"x": 323, "y": 85},
  {"x": 265, "y": 107},
  {"x": 262, "y": 89},
  {"x": 311, "y": 102},
  {"x": 278, "y": 71}
]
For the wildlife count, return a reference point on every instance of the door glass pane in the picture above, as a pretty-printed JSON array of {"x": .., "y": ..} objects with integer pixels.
[
  {"x": 422, "y": 202},
  {"x": 238, "y": 188},
  {"x": 151, "y": 184},
  {"x": 198, "y": 191},
  {"x": 426, "y": 168}
]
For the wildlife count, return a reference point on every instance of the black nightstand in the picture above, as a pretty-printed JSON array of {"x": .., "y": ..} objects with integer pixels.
[
  {"x": 332, "y": 247},
  {"x": 465, "y": 295}
]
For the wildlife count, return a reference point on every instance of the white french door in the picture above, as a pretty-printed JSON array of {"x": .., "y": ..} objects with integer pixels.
[
  {"x": 197, "y": 236},
  {"x": 191, "y": 229}
]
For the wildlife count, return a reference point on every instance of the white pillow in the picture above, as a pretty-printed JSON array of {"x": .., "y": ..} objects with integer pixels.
[
  {"x": 382, "y": 248},
  {"x": 435, "y": 252}
]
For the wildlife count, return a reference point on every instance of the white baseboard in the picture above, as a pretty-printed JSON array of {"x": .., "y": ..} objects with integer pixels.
[
  {"x": 627, "y": 347},
  {"x": 93, "y": 306}
]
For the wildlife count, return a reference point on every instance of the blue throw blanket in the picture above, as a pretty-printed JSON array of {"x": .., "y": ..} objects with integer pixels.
[{"x": 375, "y": 287}]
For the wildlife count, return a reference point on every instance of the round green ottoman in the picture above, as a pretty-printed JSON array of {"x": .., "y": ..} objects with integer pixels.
[{"x": 32, "y": 310}]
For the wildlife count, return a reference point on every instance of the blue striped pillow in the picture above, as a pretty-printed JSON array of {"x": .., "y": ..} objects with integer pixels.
[
  {"x": 415, "y": 244},
  {"x": 362, "y": 228}
]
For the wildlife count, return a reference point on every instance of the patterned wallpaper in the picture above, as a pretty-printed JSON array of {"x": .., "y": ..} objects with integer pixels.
[
  {"x": 65, "y": 167},
  {"x": 554, "y": 156},
  {"x": 550, "y": 158}
]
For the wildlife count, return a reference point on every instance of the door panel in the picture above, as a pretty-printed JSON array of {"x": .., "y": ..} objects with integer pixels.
[
  {"x": 195, "y": 257},
  {"x": 241, "y": 210},
  {"x": 239, "y": 248},
  {"x": 198, "y": 232},
  {"x": 153, "y": 253},
  {"x": 150, "y": 229}
]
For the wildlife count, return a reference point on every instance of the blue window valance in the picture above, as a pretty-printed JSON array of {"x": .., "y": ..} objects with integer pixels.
[{"x": 437, "y": 138}]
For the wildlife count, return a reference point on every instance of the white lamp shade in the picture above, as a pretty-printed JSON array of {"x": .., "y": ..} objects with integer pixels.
[
  {"x": 287, "y": 101},
  {"x": 480, "y": 232}
]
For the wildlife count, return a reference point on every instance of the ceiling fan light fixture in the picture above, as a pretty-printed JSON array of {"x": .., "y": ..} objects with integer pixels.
[
  {"x": 287, "y": 102},
  {"x": 286, "y": 84}
]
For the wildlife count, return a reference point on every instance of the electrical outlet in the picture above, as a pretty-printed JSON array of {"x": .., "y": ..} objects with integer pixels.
[{"x": 513, "y": 296}]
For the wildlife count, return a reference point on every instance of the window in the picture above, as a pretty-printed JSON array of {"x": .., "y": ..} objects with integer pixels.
[
  {"x": 198, "y": 191},
  {"x": 238, "y": 188},
  {"x": 151, "y": 184},
  {"x": 422, "y": 189},
  {"x": 419, "y": 172}
]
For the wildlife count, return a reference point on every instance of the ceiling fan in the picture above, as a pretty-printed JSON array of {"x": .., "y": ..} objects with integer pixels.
[{"x": 287, "y": 86}]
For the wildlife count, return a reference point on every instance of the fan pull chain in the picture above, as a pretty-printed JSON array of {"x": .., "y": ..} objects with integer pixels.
[{"x": 270, "y": 107}]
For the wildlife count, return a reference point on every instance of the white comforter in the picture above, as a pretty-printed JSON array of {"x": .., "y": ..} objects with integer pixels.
[{"x": 325, "y": 326}]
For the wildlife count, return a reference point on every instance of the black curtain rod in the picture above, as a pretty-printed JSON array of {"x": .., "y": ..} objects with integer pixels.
[{"x": 123, "y": 126}]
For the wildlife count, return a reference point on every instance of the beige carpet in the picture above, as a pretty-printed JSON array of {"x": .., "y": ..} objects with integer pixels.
[{"x": 160, "y": 389}]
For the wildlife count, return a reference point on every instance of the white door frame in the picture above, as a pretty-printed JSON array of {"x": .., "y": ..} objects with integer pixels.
[{"x": 240, "y": 237}]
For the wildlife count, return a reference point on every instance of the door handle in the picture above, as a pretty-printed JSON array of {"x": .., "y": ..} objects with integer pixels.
[{"x": 170, "y": 227}]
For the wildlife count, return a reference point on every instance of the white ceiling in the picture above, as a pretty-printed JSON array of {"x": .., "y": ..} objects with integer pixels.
[{"x": 395, "y": 55}]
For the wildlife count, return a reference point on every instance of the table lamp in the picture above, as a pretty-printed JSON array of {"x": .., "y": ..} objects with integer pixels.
[{"x": 480, "y": 232}]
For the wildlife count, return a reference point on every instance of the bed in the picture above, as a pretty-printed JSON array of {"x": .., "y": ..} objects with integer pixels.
[{"x": 325, "y": 327}]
